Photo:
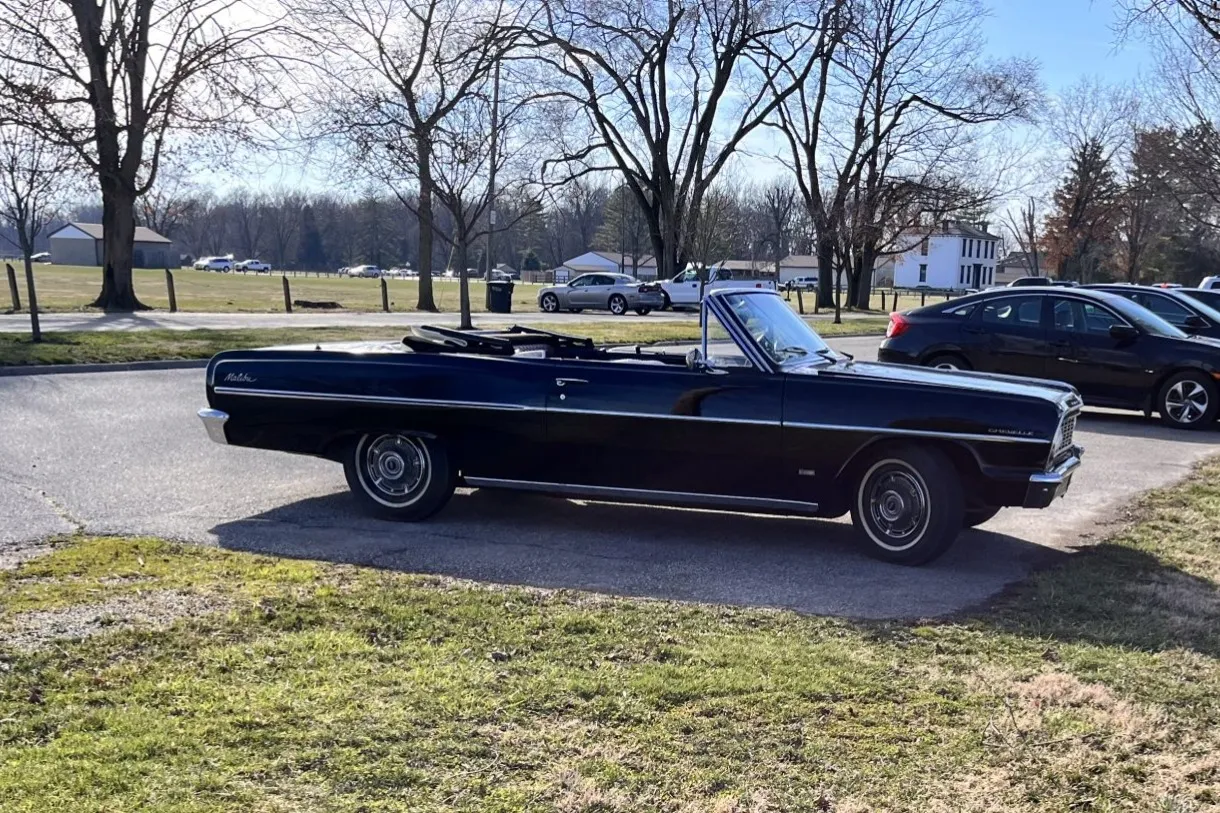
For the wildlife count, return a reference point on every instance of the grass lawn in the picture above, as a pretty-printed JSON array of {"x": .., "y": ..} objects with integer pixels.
[
  {"x": 194, "y": 679},
  {"x": 71, "y": 288},
  {"x": 93, "y": 347}
]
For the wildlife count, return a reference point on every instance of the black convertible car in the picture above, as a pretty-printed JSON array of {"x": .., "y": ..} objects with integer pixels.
[
  {"x": 1114, "y": 351},
  {"x": 764, "y": 417}
]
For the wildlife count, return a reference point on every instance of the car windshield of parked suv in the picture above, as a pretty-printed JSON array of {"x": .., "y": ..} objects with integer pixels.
[
  {"x": 1145, "y": 319},
  {"x": 785, "y": 337}
]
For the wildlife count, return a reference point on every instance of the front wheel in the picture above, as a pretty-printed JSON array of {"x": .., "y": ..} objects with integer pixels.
[
  {"x": 908, "y": 505},
  {"x": 975, "y": 517},
  {"x": 643, "y": 311},
  {"x": 399, "y": 477},
  {"x": 1188, "y": 401},
  {"x": 549, "y": 303},
  {"x": 617, "y": 304}
]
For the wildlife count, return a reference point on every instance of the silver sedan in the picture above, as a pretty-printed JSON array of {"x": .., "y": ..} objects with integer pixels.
[{"x": 617, "y": 293}]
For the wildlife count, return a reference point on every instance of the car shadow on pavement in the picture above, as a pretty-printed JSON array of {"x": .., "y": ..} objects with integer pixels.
[
  {"x": 806, "y": 565},
  {"x": 1133, "y": 423}
]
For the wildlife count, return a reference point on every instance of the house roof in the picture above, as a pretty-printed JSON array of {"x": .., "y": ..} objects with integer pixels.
[
  {"x": 613, "y": 257},
  {"x": 94, "y": 230},
  {"x": 745, "y": 265},
  {"x": 799, "y": 261},
  {"x": 963, "y": 229},
  {"x": 1021, "y": 259}
]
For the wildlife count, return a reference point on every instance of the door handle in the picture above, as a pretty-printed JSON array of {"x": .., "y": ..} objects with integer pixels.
[{"x": 563, "y": 382}]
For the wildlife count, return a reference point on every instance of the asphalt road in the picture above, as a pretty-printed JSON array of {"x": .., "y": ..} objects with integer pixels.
[{"x": 123, "y": 453}]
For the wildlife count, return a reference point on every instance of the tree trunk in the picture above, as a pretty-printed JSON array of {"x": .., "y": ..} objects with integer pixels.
[
  {"x": 864, "y": 287},
  {"x": 118, "y": 237},
  {"x": 462, "y": 250},
  {"x": 426, "y": 301},
  {"x": 826, "y": 272}
]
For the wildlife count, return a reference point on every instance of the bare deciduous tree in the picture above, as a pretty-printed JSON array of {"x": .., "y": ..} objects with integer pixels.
[
  {"x": 1025, "y": 226},
  {"x": 667, "y": 92},
  {"x": 115, "y": 80},
  {"x": 34, "y": 177}
]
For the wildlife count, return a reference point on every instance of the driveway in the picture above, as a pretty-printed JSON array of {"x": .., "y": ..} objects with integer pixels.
[{"x": 123, "y": 453}]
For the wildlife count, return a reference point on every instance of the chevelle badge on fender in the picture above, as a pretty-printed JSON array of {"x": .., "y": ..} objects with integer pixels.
[{"x": 764, "y": 417}]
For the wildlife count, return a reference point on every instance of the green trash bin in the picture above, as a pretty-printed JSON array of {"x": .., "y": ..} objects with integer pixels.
[{"x": 500, "y": 296}]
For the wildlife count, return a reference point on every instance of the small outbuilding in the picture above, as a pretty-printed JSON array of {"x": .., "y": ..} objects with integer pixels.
[{"x": 81, "y": 244}]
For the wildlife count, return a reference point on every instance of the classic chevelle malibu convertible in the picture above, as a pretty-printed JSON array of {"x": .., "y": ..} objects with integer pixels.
[{"x": 764, "y": 417}]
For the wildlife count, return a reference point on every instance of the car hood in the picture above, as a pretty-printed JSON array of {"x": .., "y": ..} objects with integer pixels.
[{"x": 1054, "y": 391}]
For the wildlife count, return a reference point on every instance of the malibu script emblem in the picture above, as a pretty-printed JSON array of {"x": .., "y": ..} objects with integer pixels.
[{"x": 240, "y": 378}]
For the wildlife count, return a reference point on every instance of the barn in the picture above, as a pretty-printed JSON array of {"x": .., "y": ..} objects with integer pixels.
[{"x": 81, "y": 244}]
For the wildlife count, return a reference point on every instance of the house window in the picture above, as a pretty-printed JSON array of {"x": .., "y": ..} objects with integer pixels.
[
  {"x": 923, "y": 247},
  {"x": 963, "y": 246},
  {"x": 923, "y": 272}
]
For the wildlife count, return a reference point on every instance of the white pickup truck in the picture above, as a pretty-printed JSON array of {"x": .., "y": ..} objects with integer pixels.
[{"x": 683, "y": 290}]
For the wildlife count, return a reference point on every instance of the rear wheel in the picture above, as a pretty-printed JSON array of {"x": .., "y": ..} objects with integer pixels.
[
  {"x": 947, "y": 361},
  {"x": 617, "y": 304},
  {"x": 399, "y": 477},
  {"x": 1188, "y": 401},
  {"x": 908, "y": 505},
  {"x": 549, "y": 303}
]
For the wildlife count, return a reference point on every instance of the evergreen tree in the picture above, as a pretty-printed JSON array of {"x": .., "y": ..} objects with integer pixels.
[
  {"x": 311, "y": 254},
  {"x": 1081, "y": 230}
]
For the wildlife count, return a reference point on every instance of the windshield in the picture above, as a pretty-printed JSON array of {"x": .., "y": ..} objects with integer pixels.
[
  {"x": 1143, "y": 318},
  {"x": 779, "y": 332}
]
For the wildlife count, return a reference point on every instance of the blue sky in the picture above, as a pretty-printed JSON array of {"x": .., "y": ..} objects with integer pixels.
[{"x": 1070, "y": 38}]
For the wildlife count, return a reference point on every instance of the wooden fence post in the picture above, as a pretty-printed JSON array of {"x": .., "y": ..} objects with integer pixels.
[
  {"x": 35, "y": 329},
  {"x": 169, "y": 285},
  {"x": 800, "y": 302},
  {"x": 883, "y": 301},
  {"x": 12, "y": 287},
  {"x": 923, "y": 298},
  {"x": 287, "y": 295},
  {"x": 385, "y": 296},
  {"x": 817, "y": 301}
]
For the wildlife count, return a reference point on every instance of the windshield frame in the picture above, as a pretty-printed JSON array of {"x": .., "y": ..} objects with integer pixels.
[{"x": 719, "y": 304}]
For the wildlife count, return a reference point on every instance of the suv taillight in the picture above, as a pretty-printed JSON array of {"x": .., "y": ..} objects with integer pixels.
[{"x": 898, "y": 325}]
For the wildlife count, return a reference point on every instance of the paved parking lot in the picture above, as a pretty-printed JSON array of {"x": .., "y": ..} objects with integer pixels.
[{"x": 123, "y": 453}]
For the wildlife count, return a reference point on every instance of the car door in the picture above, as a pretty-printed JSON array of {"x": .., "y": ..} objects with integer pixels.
[
  {"x": 662, "y": 428},
  {"x": 1006, "y": 335},
  {"x": 686, "y": 289},
  {"x": 576, "y": 293},
  {"x": 595, "y": 292},
  {"x": 1104, "y": 369}
]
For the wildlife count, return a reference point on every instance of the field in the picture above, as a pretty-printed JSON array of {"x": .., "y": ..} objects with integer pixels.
[
  {"x": 72, "y": 288},
  {"x": 97, "y": 347},
  {"x": 140, "y": 674}
]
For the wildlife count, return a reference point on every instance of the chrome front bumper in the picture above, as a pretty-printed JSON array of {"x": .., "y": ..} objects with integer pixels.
[
  {"x": 1048, "y": 486},
  {"x": 214, "y": 421}
]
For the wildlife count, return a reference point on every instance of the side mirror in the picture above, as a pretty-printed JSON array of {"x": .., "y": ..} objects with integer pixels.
[
  {"x": 695, "y": 360},
  {"x": 1194, "y": 322},
  {"x": 1123, "y": 332}
]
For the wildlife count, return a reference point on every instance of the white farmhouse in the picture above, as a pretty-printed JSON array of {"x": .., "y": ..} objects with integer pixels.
[{"x": 956, "y": 256}]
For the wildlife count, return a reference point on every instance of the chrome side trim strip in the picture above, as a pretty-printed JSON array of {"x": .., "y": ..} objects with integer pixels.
[
  {"x": 643, "y": 495},
  {"x": 375, "y": 399},
  {"x": 665, "y": 416},
  {"x": 214, "y": 422},
  {"x": 921, "y": 433}
]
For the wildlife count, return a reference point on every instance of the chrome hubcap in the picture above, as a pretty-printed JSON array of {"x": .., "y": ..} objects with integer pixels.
[
  {"x": 946, "y": 365},
  {"x": 395, "y": 465},
  {"x": 898, "y": 506},
  {"x": 1186, "y": 401}
]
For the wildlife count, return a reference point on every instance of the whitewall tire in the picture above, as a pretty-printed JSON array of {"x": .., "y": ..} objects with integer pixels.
[{"x": 908, "y": 505}]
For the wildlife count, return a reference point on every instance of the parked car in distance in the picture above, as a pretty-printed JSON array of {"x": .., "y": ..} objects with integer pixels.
[
  {"x": 764, "y": 418},
  {"x": 1030, "y": 282},
  {"x": 214, "y": 264},
  {"x": 1183, "y": 312},
  {"x": 41, "y": 257},
  {"x": 1210, "y": 283},
  {"x": 802, "y": 284},
  {"x": 617, "y": 293},
  {"x": 368, "y": 271},
  {"x": 683, "y": 290},
  {"x": 257, "y": 266},
  {"x": 1115, "y": 352},
  {"x": 399, "y": 271}
]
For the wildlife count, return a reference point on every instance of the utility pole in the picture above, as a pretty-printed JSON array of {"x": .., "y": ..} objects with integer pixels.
[{"x": 491, "y": 180}]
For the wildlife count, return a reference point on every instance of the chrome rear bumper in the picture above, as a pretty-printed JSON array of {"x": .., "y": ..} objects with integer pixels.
[
  {"x": 1048, "y": 486},
  {"x": 214, "y": 421}
]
